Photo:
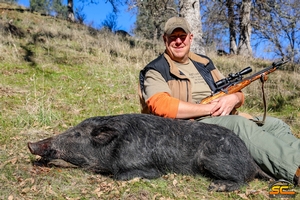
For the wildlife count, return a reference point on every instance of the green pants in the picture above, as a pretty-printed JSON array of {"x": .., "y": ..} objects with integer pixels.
[{"x": 275, "y": 149}]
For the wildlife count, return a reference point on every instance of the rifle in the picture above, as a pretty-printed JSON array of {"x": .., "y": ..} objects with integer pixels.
[{"x": 235, "y": 82}]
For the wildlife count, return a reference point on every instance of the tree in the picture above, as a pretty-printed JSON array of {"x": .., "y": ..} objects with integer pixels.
[
  {"x": 244, "y": 47},
  {"x": 238, "y": 24},
  {"x": 49, "y": 7},
  {"x": 277, "y": 23},
  {"x": 151, "y": 16},
  {"x": 214, "y": 24},
  {"x": 59, "y": 9},
  {"x": 232, "y": 27},
  {"x": 10, "y": 1},
  {"x": 190, "y": 10},
  {"x": 80, "y": 15},
  {"x": 110, "y": 23},
  {"x": 229, "y": 21},
  {"x": 41, "y": 6},
  {"x": 145, "y": 25},
  {"x": 71, "y": 16}
]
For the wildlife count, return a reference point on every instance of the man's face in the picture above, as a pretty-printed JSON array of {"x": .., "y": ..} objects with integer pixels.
[{"x": 178, "y": 45}]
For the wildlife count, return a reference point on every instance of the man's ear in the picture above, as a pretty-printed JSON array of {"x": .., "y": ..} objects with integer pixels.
[
  {"x": 164, "y": 38},
  {"x": 191, "y": 37}
]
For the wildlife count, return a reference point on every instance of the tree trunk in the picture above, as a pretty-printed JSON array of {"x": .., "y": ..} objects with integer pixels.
[
  {"x": 190, "y": 10},
  {"x": 232, "y": 27},
  {"x": 71, "y": 16},
  {"x": 244, "y": 47}
]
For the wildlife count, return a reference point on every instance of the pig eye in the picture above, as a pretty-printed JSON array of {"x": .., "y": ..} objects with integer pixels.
[{"x": 77, "y": 134}]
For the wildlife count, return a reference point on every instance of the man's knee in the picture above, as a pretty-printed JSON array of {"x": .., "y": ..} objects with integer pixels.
[{"x": 274, "y": 124}]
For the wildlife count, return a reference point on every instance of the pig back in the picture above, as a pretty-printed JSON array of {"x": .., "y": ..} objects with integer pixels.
[{"x": 167, "y": 145}]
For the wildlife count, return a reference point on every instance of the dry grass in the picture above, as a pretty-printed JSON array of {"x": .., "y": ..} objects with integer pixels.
[{"x": 54, "y": 74}]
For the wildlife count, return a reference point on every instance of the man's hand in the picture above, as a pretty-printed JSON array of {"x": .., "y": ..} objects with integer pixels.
[{"x": 225, "y": 104}]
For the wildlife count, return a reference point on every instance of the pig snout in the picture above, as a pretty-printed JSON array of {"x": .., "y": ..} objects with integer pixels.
[{"x": 41, "y": 148}]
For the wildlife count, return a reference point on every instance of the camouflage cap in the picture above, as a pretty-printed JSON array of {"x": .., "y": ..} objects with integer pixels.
[{"x": 176, "y": 22}]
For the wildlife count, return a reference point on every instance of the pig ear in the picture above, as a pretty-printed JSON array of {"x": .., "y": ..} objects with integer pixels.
[{"x": 103, "y": 135}]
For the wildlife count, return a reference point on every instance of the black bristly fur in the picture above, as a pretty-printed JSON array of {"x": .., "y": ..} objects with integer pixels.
[{"x": 139, "y": 145}]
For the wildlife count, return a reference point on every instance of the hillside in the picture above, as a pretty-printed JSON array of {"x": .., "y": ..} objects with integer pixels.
[{"x": 54, "y": 74}]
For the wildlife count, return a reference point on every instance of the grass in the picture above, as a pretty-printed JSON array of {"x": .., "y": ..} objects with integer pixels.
[{"x": 54, "y": 74}]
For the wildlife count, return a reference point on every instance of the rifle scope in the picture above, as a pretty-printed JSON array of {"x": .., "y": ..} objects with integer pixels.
[{"x": 233, "y": 77}]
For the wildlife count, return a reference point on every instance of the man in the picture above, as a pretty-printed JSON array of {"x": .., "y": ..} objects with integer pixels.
[{"x": 173, "y": 84}]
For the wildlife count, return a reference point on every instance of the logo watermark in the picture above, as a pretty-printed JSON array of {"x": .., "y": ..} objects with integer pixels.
[{"x": 281, "y": 189}]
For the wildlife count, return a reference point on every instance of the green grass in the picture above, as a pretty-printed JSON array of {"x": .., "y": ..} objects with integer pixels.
[{"x": 59, "y": 74}]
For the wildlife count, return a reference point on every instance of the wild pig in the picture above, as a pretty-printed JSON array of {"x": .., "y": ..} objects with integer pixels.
[{"x": 139, "y": 145}]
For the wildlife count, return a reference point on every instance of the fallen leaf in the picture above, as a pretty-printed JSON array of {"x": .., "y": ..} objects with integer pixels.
[{"x": 175, "y": 182}]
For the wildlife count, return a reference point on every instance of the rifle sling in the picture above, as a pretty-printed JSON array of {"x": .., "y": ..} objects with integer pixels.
[{"x": 261, "y": 122}]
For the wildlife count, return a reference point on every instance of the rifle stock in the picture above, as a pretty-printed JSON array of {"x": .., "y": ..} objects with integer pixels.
[
  {"x": 240, "y": 84},
  {"x": 230, "y": 90}
]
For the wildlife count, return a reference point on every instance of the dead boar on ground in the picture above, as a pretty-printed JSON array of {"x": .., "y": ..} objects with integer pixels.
[{"x": 147, "y": 146}]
